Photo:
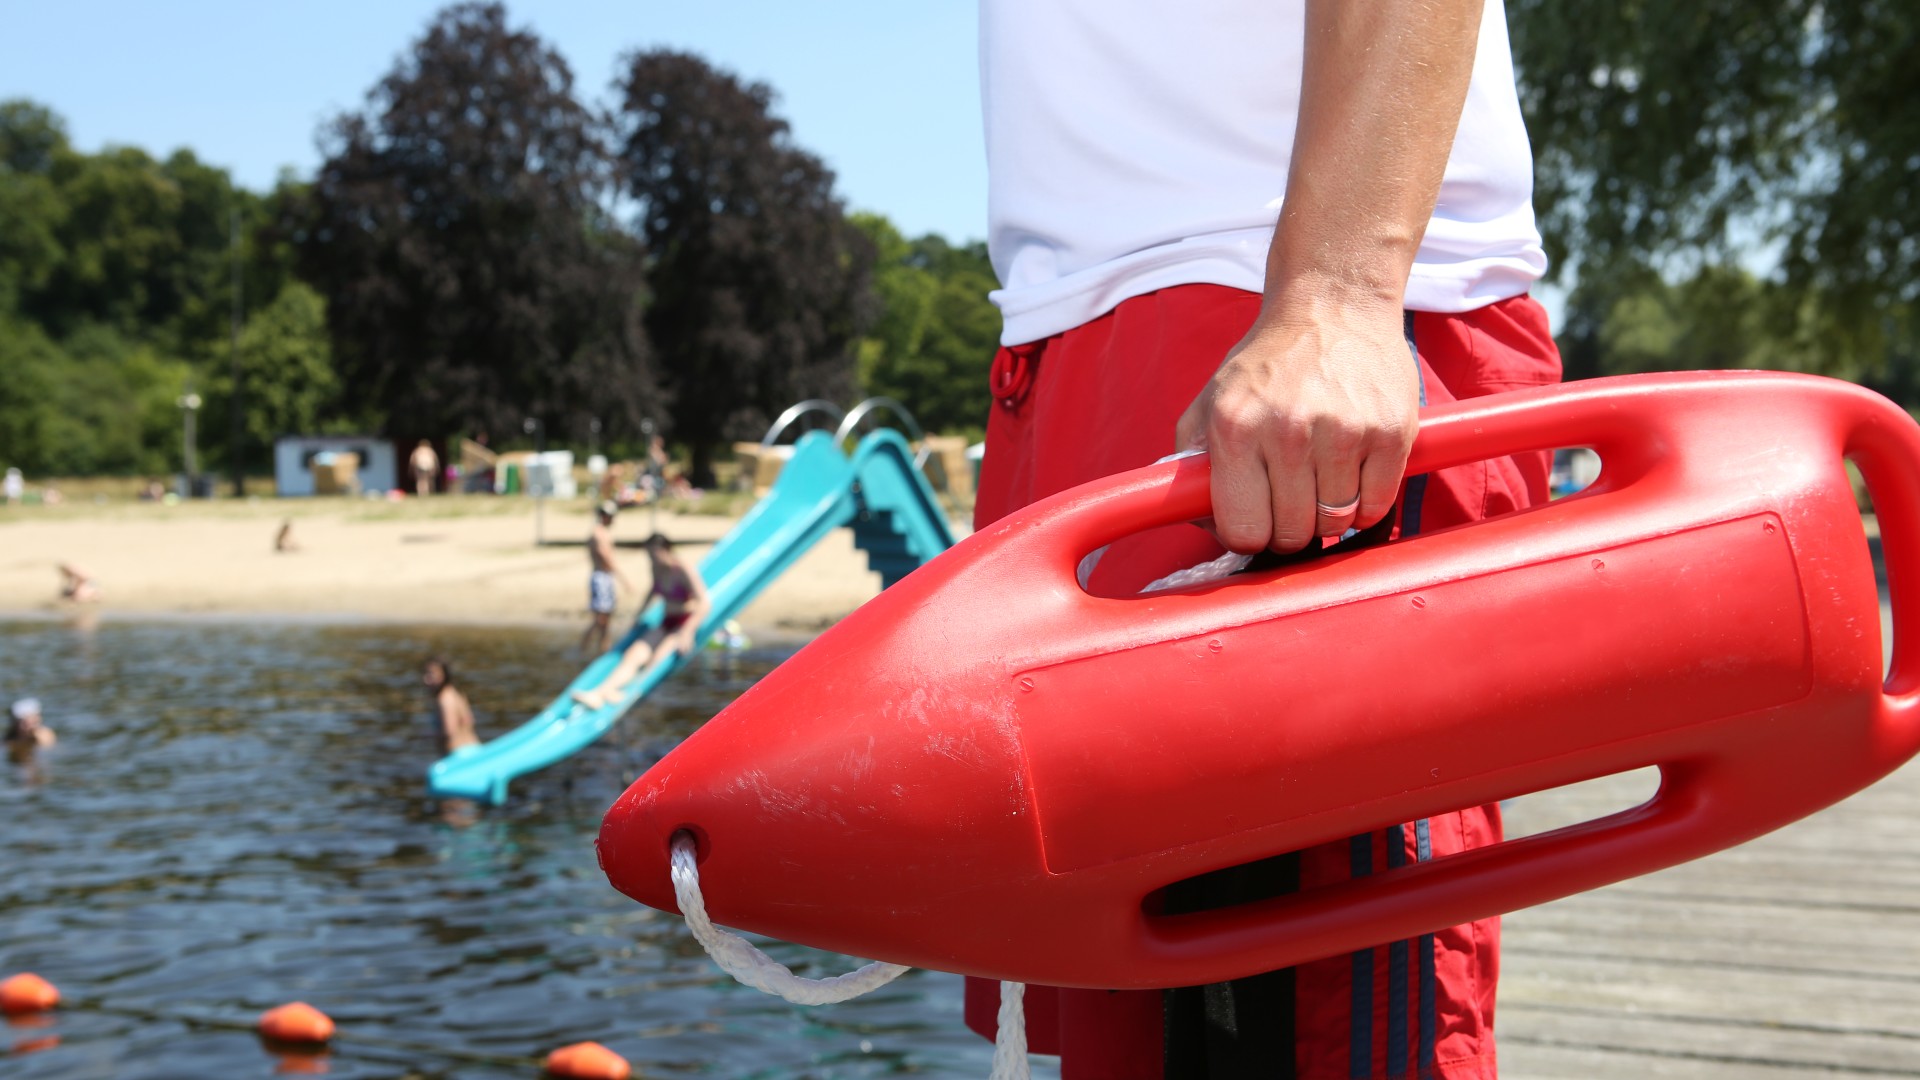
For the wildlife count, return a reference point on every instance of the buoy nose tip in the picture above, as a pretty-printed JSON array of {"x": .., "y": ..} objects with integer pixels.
[{"x": 635, "y": 855}]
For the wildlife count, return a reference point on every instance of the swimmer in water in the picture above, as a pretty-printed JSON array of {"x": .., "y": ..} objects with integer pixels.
[
  {"x": 678, "y": 585},
  {"x": 456, "y": 715},
  {"x": 25, "y": 731}
]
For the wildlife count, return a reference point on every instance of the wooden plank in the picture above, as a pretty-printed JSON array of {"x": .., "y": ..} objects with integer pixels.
[
  {"x": 1691, "y": 1043},
  {"x": 1630, "y": 985},
  {"x": 1797, "y": 955}
]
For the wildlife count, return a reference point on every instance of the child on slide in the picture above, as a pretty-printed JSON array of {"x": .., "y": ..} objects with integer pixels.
[{"x": 678, "y": 585}]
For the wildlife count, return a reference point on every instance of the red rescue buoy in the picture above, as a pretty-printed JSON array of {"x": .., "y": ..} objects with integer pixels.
[
  {"x": 296, "y": 1022},
  {"x": 988, "y": 770},
  {"x": 588, "y": 1061},
  {"x": 27, "y": 993}
]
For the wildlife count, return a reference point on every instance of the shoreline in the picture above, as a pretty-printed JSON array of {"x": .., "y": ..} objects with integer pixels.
[{"x": 448, "y": 561}]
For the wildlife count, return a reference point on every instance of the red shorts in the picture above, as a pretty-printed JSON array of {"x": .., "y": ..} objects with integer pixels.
[{"x": 1104, "y": 397}]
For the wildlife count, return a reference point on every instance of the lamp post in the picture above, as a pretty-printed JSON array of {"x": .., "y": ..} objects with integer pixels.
[{"x": 189, "y": 409}]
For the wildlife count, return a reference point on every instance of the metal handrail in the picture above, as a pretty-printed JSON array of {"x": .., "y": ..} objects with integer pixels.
[
  {"x": 852, "y": 421},
  {"x": 795, "y": 412}
]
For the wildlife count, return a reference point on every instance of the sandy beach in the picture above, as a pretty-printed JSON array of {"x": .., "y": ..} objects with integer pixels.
[{"x": 448, "y": 559}]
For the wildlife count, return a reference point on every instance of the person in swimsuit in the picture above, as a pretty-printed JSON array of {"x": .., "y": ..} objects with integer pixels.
[
  {"x": 678, "y": 585},
  {"x": 76, "y": 586},
  {"x": 25, "y": 732},
  {"x": 601, "y": 594},
  {"x": 456, "y": 713}
]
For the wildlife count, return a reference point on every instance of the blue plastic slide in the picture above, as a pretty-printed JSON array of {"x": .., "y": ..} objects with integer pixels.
[{"x": 879, "y": 493}]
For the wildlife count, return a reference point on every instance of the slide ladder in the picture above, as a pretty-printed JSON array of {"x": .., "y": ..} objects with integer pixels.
[{"x": 879, "y": 492}]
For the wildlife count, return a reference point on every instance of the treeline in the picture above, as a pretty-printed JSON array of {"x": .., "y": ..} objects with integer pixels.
[
  {"x": 488, "y": 249},
  {"x": 1730, "y": 183},
  {"x": 483, "y": 251}
]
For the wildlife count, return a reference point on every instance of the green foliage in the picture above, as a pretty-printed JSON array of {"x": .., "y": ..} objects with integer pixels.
[
  {"x": 760, "y": 286},
  {"x": 1722, "y": 317},
  {"x": 472, "y": 277},
  {"x": 31, "y": 138},
  {"x": 1674, "y": 136},
  {"x": 116, "y": 279},
  {"x": 466, "y": 265},
  {"x": 95, "y": 403},
  {"x": 933, "y": 342},
  {"x": 286, "y": 373}
]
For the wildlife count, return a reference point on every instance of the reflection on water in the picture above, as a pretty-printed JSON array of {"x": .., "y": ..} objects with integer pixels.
[{"x": 235, "y": 817}]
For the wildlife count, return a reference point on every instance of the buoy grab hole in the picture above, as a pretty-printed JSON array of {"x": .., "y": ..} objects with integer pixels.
[
  {"x": 1397, "y": 847},
  {"x": 1570, "y": 471}
]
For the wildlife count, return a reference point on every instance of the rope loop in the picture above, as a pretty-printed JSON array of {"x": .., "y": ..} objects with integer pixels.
[{"x": 737, "y": 957}]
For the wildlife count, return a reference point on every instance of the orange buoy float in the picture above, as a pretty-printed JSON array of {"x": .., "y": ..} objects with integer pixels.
[
  {"x": 27, "y": 993},
  {"x": 296, "y": 1022},
  {"x": 588, "y": 1061}
]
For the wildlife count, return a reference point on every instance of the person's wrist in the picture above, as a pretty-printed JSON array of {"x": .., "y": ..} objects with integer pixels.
[{"x": 1314, "y": 297}]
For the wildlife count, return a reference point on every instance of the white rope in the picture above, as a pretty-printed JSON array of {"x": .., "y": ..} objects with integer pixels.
[
  {"x": 737, "y": 957},
  {"x": 1225, "y": 566},
  {"x": 1010, "y": 1039}
]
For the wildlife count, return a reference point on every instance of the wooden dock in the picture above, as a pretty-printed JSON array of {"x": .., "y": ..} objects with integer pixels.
[{"x": 1797, "y": 955}]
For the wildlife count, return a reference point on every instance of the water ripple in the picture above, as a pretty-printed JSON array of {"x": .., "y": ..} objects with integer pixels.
[{"x": 234, "y": 817}]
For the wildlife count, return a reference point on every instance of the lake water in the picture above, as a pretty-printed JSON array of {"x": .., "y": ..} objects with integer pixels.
[{"x": 235, "y": 817}]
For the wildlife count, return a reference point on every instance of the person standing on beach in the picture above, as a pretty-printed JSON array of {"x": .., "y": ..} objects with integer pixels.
[
  {"x": 454, "y": 712},
  {"x": 425, "y": 465},
  {"x": 602, "y": 596},
  {"x": 1272, "y": 230}
]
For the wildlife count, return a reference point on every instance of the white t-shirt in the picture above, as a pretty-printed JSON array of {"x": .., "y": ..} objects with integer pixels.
[{"x": 1137, "y": 144}]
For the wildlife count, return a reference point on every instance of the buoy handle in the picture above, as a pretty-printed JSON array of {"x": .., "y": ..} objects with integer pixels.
[
  {"x": 1631, "y": 442},
  {"x": 1885, "y": 444}
]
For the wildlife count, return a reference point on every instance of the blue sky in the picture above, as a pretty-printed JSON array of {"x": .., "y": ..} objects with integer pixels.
[{"x": 886, "y": 92}]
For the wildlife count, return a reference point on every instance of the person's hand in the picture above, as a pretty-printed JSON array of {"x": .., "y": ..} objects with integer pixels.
[{"x": 1315, "y": 405}]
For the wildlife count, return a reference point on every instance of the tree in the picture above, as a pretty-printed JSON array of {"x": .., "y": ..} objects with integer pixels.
[
  {"x": 31, "y": 138},
  {"x": 286, "y": 370},
  {"x": 95, "y": 403},
  {"x": 933, "y": 341},
  {"x": 115, "y": 285},
  {"x": 1673, "y": 136},
  {"x": 472, "y": 279},
  {"x": 760, "y": 284},
  {"x": 1722, "y": 317}
]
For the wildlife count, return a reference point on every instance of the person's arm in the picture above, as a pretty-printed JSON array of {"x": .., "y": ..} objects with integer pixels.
[
  {"x": 1319, "y": 402},
  {"x": 603, "y": 544}
]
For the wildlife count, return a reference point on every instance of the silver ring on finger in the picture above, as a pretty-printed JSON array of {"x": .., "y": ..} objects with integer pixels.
[{"x": 1335, "y": 513}]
